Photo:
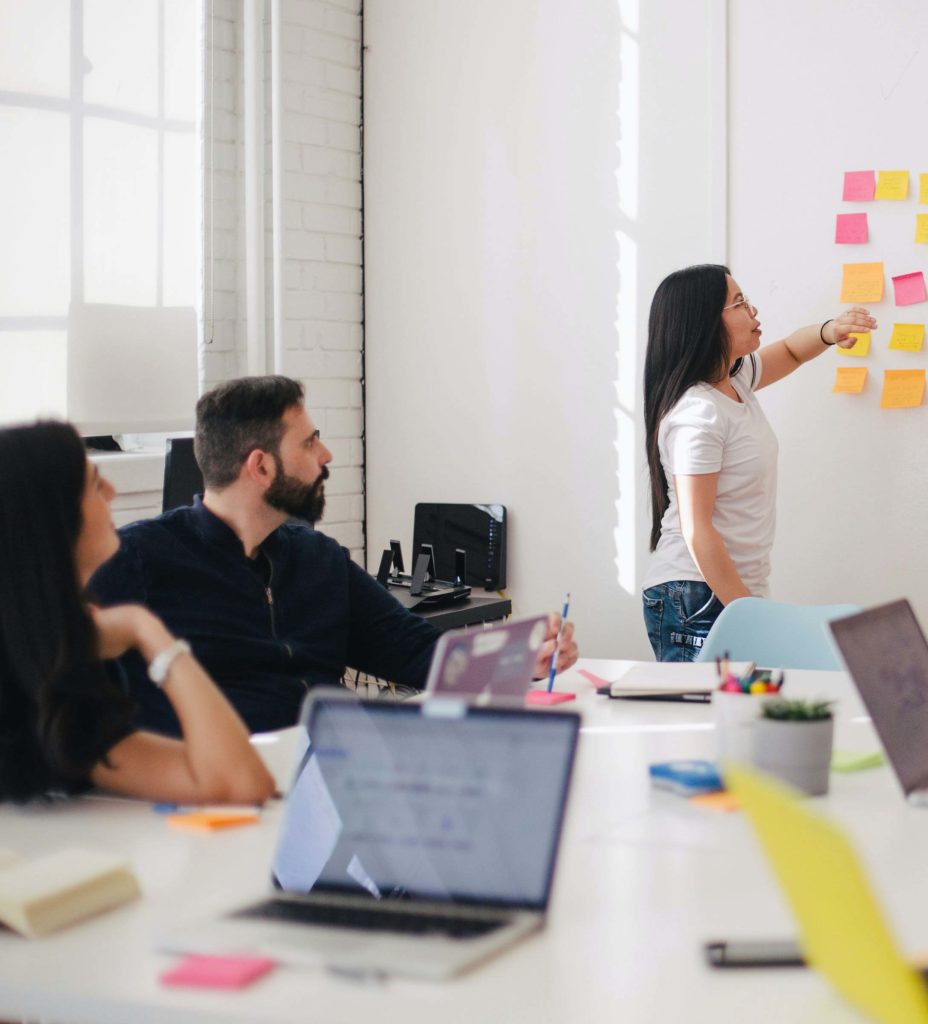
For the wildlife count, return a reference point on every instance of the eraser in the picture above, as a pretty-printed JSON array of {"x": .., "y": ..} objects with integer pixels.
[
  {"x": 217, "y": 971},
  {"x": 547, "y": 699}
]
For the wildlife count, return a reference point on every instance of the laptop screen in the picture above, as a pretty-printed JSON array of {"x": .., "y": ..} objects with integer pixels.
[
  {"x": 426, "y": 801},
  {"x": 886, "y": 653}
]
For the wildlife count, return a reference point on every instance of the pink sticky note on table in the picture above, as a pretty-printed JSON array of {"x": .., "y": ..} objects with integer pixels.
[
  {"x": 851, "y": 228},
  {"x": 859, "y": 186},
  {"x": 596, "y": 680},
  {"x": 546, "y": 699},
  {"x": 217, "y": 971},
  {"x": 909, "y": 288}
]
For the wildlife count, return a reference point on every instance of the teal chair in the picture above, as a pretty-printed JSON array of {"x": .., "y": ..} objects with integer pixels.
[{"x": 775, "y": 635}]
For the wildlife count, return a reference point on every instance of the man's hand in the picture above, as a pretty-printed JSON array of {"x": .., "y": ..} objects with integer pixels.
[{"x": 567, "y": 650}]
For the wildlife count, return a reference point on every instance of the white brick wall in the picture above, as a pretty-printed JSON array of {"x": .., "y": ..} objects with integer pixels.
[{"x": 320, "y": 247}]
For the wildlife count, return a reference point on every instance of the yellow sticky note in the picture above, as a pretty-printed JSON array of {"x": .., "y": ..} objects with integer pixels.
[
  {"x": 862, "y": 282},
  {"x": 902, "y": 389},
  {"x": 861, "y": 347},
  {"x": 892, "y": 185},
  {"x": 923, "y": 188},
  {"x": 850, "y": 380},
  {"x": 907, "y": 337},
  {"x": 921, "y": 227}
]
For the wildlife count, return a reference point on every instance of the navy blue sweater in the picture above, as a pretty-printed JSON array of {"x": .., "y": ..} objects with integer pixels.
[{"x": 266, "y": 631}]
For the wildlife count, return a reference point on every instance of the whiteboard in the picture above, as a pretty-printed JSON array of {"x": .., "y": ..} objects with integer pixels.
[{"x": 816, "y": 89}]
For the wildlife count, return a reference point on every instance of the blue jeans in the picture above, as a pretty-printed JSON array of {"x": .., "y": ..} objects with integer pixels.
[{"x": 678, "y": 615}]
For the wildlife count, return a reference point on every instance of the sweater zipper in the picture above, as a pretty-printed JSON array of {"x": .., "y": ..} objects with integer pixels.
[{"x": 270, "y": 602}]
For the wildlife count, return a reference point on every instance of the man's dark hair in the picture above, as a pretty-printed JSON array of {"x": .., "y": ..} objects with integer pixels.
[{"x": 237, "y": 417}]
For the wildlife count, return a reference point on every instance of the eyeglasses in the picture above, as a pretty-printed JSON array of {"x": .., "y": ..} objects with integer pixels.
[{"x": 746, "y": 302}]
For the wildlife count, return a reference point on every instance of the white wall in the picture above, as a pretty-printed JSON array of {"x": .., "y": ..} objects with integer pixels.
[
  {"x": 834, "y": 87},
  {"x": 532, "y": 170}
]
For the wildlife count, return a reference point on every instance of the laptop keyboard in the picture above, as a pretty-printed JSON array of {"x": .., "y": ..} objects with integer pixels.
[{"x": 371, "y": 919}]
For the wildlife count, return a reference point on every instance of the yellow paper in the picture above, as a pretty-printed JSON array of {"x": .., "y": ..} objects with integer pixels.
[
  {"x": 921, "y": 227},
  {"x": 860, "y": 347},
  {"x": 923, "y": 188},
  {"x": 850, "y": 380},
  {"x": 907, "y": 337},
  {"x": 892, "y": 185},
  {"x": 843, "y": 932},
  {"x": 862, "y": 282},
  {"x": 902, "y": 389}
]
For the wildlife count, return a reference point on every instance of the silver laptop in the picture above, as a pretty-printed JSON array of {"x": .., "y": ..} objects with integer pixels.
[
  {"x": 487, "y": 664},
  {"x": 417, "y": 839},
  {"x": 886, "y": 654}
]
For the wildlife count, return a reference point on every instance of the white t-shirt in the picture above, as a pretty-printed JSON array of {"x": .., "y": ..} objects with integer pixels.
[{"x": 708, "y": 432}]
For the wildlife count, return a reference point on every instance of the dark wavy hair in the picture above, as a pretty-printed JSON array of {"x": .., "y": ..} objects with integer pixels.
[
  {"x": 237, "y": 417},
  {"x": 687, "y": 344},
  {"x": 58, "y": 706}
]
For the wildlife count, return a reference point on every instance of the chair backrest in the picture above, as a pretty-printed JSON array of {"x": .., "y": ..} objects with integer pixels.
[
  {"x": 182, "y": 476},
  {"x": 776, "y": 635}
]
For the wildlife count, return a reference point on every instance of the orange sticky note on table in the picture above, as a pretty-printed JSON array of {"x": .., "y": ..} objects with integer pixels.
[
  {"x": 861, "y": 347},
  {"x": 722, "y": 801},
  {"x": 921, "y": 227},
  {"x": 902, "y": 389},
  {"x": 923, "y": 188},
  {"x": 892, "y": 185},
  {"x": 907, "y": 337},
  {"x": 862, "y": 282},
  {"x": 850, "y": 380},
  {"x": 211, "y": 821}
]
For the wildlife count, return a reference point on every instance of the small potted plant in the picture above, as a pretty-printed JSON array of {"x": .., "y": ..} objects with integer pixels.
[{"x": 793, "y": 741}]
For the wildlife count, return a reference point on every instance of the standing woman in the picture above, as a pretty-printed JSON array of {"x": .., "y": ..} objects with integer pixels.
[
  {"x": 65, "y": 721},
  {"x": 712, "y": 456}
]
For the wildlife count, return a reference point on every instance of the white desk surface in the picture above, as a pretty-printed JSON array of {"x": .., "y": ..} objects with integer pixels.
[{"x": 643, "y": 879}]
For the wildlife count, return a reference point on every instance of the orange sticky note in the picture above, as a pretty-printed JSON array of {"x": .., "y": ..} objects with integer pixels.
[
  {"x": 923, "y": 188},
  {"x": 211, "y": 821},
  {"x": 902, "y": 389},
  {"x": 892, "y": 185},
  {"x": 850, "y": 380},
  {"x": 723, "y": 801},
  {"x": 862, "y": 282},
  {"x": 907, "y": 337},
  {"x": 861, "y": 347},
  {"x": 921, "y": 227}
]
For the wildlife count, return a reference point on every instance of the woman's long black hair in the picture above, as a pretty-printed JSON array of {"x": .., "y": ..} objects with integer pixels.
[
  {"x": 58, "y": 707},
  {"x": 687, "y": 344}
]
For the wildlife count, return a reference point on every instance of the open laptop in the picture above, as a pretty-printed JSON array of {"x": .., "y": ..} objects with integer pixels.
[
  {"x": 490, "y": 664},
  {"x": 417, "y": 839},
  {"x": 844, "y": 933},
  {"x": 886, "y": 655}
]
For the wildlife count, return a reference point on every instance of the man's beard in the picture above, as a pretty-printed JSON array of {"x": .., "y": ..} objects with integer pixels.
[{"x": 299, "y": 500}]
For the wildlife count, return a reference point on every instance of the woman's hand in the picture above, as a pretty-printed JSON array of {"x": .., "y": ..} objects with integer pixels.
[
  {"x": 855, "y": 320},
  {"x": 127, "y": 626},
  {"x": 567, "y": 650}
]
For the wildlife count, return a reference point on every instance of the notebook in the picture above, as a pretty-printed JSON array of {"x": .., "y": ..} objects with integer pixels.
[
  {"x": 489, "y": 664},
  {"x": 886, "y": 655},
  {"x": 844, "y": 934},
  {"x": 417, "y": 839}
]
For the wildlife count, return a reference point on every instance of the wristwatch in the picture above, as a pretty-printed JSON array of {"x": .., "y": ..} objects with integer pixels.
[{"x": 161, "y": 663}]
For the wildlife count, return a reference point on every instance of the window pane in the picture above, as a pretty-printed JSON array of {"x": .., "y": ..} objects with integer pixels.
[
  {"x": 181, "y": 59},
  {"x": 121, "y": 45},
  {"x": 35, "y": 278},
  {"x": 34, "y": 46},
  {"x": 33, "y": 379},
  {"x": 120, "y": 213},
  {"x": 181, "y": 265}
]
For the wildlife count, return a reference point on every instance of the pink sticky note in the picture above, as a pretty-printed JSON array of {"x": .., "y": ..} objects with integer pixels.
[
  {"x": 217, "y": 971},
  {"x": 851, "y": 228},
  {"x": 596, "y": 680},
  {"x": 909, "y": 288},
  {"x": 547, "y": 699},
  {"x": 859, "y": 186}
]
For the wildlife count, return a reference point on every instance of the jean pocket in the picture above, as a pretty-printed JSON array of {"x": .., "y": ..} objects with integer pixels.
[{"x": 697, "y": 603}]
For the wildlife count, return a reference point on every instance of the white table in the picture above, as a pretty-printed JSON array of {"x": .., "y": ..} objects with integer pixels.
[{"x": 643, "y": 879}]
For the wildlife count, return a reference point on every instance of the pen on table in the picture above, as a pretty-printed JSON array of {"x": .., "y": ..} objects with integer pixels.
[{"x": 557, "y": 643}]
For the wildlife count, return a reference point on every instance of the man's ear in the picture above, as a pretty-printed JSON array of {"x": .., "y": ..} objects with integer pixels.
[{"x": 260, "y": 467}]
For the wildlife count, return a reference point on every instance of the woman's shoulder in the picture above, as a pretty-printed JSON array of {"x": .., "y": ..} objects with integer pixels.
[{"x": 699, "y": 404}]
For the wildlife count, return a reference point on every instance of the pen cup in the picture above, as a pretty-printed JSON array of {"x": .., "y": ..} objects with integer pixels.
[{"x": 736, "y": 715}]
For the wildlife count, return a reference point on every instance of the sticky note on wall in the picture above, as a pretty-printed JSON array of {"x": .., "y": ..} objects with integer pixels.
[
  {"x": 851, "y": 228},
  {"x": 850, "y": 380},
  {"x": 923, "y": 188},
  {"x": 921, "y": 227},
  {"x": 909, "y": 288},
  {"x": 902, "y": 389},
  {"x": 862, "y": 282},
  {"x": 907, "y": 337},
  {"x": 859, "y": 186},
  {"x": 892, "y": 185},
  {"x": 860, "y": 347}
]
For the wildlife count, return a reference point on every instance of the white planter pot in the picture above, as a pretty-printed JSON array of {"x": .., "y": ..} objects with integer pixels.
[{"x": 796, "y": 752}]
